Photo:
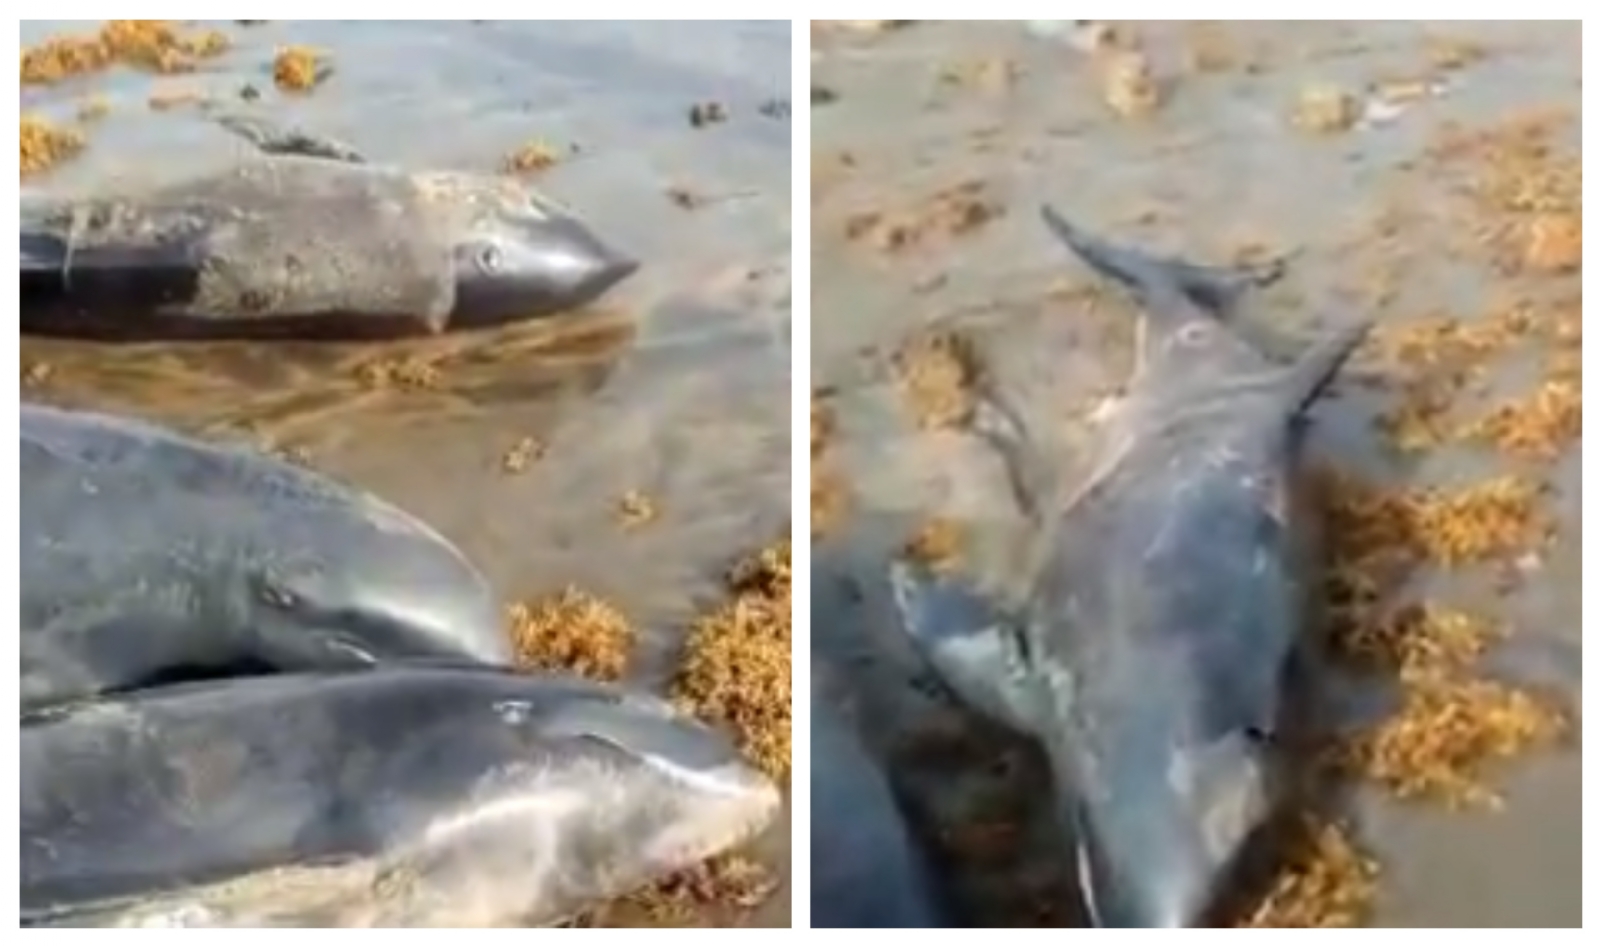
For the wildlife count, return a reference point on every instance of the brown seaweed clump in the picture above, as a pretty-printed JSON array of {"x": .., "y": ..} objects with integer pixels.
[
  {"x": 736, "y": 670},
  {"x": 1449, "y": 730},
  {"x": 408, "y": 373},
  {"x": 1451, "y": 726},
  {"x": 936, "y": 544},
  {"x": 1130, "y": 87},
  {"x": 1539, "y": 426},
  {"x": 533, "y": 157},
  {"x": 945, "y": 215},
  {"x": 36, "y": 373},
  {"x": 937, "y": 372},
  {"x": 635, "y": 509},
  {"x": 1527, "y": 189},
  {"x": 152, "y": 45},
  {"x": 1433, "y": 361},
  {"x": 1553, "y": 243},
  {"x": 1326, "y": 883},
  {"x": 1415, "y": 642},
  {"x": 1325, "y": 110},
  {"x": 692, "y": 898},
  {"x": 572, "y": 631},
  {"x": 45, "y": 145},
  {"x": 1436, "y": 360},
  {"x": 521, "y": 455},
  {"x": 1496, "y": 519},
  {"x": 298, "y": 69}
]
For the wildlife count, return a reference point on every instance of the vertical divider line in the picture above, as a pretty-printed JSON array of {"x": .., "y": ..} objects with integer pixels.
[
  {"x": 1588, "y": 882},
  {"x": 11, "y": 802},
  {"x": 800, "y": 475}
]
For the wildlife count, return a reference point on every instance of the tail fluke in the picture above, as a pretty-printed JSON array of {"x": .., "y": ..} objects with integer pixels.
[{"x": 1216, "y": 289}]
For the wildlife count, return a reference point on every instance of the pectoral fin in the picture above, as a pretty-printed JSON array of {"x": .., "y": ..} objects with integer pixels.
[{"x": 976, "y": 650}]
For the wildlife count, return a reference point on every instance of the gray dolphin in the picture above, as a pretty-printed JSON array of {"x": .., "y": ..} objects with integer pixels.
[
  {"x": 1166, "y": 596},
  {"x": 408, "y": 796},
  {"x": 307, "y": 239},
  {"x": 146, "y": 555},
  {"x": 866, "y": 872}
]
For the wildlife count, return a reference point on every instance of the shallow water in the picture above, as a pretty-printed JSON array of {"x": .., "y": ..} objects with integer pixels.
[
  {"x": 921, "y": 109},
  {"x": 675, "y": 385}
]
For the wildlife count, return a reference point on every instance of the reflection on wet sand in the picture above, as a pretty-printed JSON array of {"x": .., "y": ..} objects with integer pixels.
[{"x": 274, "y": 390}]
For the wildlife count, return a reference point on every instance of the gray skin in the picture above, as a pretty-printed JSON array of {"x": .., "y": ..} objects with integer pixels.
[
  {"x": 148, "y": 556},
  {"x": 866, "y": 872},
  {"x": 408, "y": 796},
  {"x": 306, "y": 240},
  {"x": 1167, "y": 597}
]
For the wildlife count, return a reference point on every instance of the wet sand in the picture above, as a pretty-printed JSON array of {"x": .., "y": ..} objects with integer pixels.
[
  {"x": 933, "y": 145},
  {"x": 518, "y": 444}
]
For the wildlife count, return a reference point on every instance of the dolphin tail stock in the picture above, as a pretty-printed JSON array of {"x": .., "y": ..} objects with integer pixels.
[
  {"x": 1169, "y": 285},
  {"x": 271, "y": 138}
]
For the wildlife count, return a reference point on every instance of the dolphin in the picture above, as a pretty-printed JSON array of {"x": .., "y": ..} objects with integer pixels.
[
  {"x": 1166, "y": 596},
  {"x": 306, "y": 239},
  {"x": 866, "y": 872},
  {"x": 148, "y": 556},
  {"x": 403, "y": 796}
]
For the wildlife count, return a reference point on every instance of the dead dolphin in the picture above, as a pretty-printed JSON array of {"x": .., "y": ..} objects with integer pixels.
[
  {"x": 866, "y": 871},
  {"x": 406, "y": 796},
  {"x": 306, "y": 239},
  {"x": 1166, "y": 596},
  {"x": 147, "y": 555}
]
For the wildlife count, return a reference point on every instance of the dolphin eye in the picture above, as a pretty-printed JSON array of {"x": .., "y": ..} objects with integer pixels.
[{"x": 489, "y": 259}]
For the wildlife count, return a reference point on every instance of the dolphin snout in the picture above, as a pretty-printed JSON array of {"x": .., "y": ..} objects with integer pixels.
[
  {"x": 719, "y": 799},
  {"x": 1153, "y": 882},
  {"x": 530, "y": 266},
  {"x": 1160, "y": 851},
  {"x": 689, "y": 753},
  {"x": 573, "y": 256}
]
